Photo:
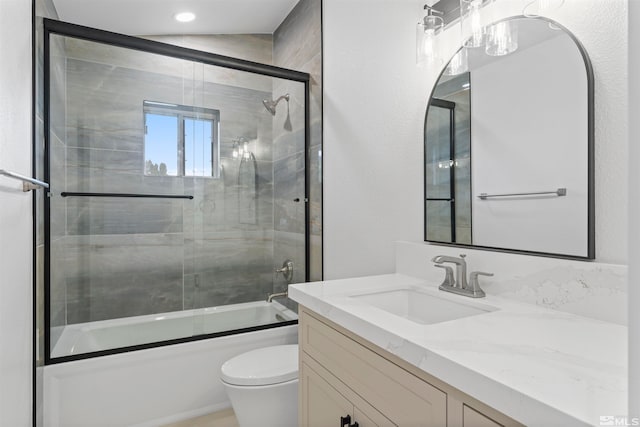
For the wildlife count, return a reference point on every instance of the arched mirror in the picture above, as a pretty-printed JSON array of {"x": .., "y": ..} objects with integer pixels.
[{"x": 509, "y": 146}]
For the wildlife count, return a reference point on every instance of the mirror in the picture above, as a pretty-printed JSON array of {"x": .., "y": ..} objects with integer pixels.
[{"x": 509, "y": 147}]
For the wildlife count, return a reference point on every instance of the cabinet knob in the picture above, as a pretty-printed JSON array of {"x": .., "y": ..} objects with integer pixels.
[{"x": 345, "y": 421}]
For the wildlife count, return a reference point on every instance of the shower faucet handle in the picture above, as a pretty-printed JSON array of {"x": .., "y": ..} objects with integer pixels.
[{"x": 286, "y": 270}]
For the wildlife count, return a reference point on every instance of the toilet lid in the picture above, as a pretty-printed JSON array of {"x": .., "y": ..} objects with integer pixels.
[{"x": 264, "y": 366}]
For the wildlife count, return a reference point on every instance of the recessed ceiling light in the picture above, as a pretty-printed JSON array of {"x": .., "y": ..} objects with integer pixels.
[{"x": 185, "y": 17}]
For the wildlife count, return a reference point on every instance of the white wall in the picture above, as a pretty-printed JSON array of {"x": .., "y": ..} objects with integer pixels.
[
  {"x": 374, "y": 105},
  {"x": 634, "y": 211},
  {"x": 374, "y": 108},
  {"x": 16, "y": 244},
  {"x": 530, "y": 133}
]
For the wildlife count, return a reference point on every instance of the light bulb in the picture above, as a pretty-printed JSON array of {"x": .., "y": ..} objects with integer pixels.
[
  {"x": 502, "y": 39},
  {"x": 535, "y": 8},
  {"x": 459, "y": 63},
  {"x": 426, "y": 32},
  {"x": 473, "y": 32}
]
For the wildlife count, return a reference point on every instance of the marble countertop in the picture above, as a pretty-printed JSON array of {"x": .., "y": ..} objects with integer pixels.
[{"x": 539, "y": 366}]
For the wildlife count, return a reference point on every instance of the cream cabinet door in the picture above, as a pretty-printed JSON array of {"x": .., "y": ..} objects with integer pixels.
[
  {"x": 399, "y": 395},
  {"x": 473, "y": 418},
  {"x": 322, "y": 405},
  {"x": 327, "y": 402}
]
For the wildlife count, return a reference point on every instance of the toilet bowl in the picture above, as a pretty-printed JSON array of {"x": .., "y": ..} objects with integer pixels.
[{"x": 262, "y": 386}]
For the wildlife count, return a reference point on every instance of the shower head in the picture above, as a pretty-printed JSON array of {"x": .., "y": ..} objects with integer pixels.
[{"x": 271, "y": 105}]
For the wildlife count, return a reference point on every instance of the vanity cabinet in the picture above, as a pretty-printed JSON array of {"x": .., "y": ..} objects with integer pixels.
[
  {"x": 329, "y": 401},
  {"x": 343, "y": 375}
]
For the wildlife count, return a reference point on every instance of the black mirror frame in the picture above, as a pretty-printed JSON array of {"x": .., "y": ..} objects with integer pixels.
[{"x": 591, "y": 244}]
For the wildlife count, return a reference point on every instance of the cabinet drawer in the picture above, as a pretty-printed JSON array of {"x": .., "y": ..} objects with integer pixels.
[{"x": 397, "y": 394}]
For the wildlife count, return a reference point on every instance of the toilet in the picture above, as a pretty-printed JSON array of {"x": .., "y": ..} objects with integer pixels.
[{"x": 262, "y": 386}]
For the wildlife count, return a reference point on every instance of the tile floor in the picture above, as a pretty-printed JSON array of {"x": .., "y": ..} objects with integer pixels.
[{"x": 225, "y": 418}]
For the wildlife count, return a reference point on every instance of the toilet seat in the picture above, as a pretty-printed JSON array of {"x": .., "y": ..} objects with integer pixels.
[{"x": 263, "y": 366}]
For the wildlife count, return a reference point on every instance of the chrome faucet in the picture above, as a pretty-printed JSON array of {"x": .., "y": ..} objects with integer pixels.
[
  {"x": 461, "y": 269},
  {"x": 459, "y": 285},
  {"x": 270, "y": 297}
]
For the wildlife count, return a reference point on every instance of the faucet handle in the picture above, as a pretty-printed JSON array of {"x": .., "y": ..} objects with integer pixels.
[
  {"x": 475, "y": 274},
  {"x": 448, "y": 279},
  {"x": 475, "y": 286}
]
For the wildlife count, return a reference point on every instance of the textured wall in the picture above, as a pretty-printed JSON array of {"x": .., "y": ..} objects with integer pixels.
[
  {"x": 374, "y": 105},
  {"x": 16, "y": 250},
  {"x": 634, "y": 212}
]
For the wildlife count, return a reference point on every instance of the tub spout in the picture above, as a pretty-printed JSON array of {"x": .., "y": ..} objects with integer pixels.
[{"x": 277, "y": 295}]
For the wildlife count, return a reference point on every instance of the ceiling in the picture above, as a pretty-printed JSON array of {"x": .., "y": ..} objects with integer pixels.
[{"x": 155, "y": 17}]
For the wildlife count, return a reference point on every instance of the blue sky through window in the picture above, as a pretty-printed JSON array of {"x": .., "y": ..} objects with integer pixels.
[
  {"x": 197, "y": 147},
  {"x": 161, "y": 142}
]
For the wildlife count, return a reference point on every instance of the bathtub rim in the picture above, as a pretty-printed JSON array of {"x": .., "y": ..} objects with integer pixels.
[{"x": 49, "y": 360}]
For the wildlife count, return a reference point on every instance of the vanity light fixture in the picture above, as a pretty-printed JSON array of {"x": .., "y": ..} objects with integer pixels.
[
  {"x": 502, "y": 39},
  {"x": 240, "y": 148},
  {"x": 426, "y": 32},
  {"x": 535, "y": 8},
  {"x": 473, "y": 32},
  {"x": 459, "y": 63},
  {"x": 185, "y": 16}
]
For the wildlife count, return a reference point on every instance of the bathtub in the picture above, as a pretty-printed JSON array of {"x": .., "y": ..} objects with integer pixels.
[
  {"x": 130, "y": 331},
  {"x": 159, "y": 385}
]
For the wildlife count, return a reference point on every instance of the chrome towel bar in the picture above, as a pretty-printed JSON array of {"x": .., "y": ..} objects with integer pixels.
[
  {"x": 28, "y": 184},
  {"x": 559, "y": 192}
]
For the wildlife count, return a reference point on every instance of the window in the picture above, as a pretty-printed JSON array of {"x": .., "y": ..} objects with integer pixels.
[{"x": 181, "y": 140}]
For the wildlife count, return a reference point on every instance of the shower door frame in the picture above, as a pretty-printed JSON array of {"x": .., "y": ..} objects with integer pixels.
[
  {"x": 61, "y": 28},
  {"x": 451, "y": 106}
]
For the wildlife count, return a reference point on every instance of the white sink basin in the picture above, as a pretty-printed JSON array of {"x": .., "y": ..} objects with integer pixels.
[{"x": 421, "y": 307}]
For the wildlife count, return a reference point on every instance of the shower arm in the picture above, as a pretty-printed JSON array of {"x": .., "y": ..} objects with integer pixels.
[{"x": 285, "y": 97}]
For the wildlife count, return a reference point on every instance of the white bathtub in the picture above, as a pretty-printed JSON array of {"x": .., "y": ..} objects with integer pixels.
[
  {"x": 130, "y": 331},
  {"x": 155, "y": 386}
]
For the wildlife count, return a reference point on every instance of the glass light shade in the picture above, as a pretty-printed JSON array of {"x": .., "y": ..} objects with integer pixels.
[
  {"x": 473, "y": 32},
  {"x": 535, "y": 8},
  {"x": 459, "y": 63},
  {"x": 502, "y": 39},
  {"x": 426, "y": 46}
]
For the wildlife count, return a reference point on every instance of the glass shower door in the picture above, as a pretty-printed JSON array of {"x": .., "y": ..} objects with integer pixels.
[{"x": 177, "y": 189}]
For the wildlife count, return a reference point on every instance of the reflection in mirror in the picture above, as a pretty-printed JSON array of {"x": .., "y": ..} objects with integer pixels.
[{"x": 506, "y": 130}]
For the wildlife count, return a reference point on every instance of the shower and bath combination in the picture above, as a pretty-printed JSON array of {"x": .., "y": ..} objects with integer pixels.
[
  {"x": 271, "y": 105},
  {"x": 152, "y": 252}
]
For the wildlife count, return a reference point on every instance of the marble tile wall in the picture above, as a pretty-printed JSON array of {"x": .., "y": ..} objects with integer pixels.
[
  {"x": 297, "y": 44},
  {"x": 589, "y": 289}
]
